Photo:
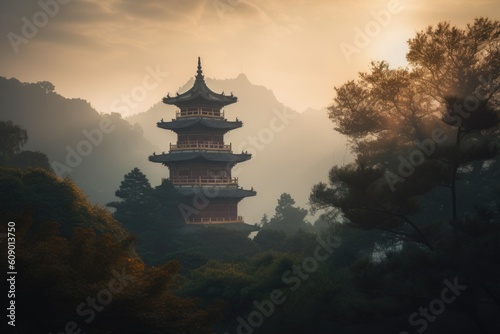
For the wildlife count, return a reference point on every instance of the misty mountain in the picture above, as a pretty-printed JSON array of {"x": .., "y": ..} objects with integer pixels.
[
  {"x": 291, "y": 151},
  {"x": 95, "y": 150}
]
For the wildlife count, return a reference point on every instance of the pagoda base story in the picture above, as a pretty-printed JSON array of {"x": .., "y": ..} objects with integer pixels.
[
  {"x": 215, "y": 220},
  {"x": 238, "y": 227},
  {"x": 210, "y": 211}
]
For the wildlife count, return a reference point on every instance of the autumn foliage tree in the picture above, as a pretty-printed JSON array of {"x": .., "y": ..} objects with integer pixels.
[{"x": 77, "y": 266}]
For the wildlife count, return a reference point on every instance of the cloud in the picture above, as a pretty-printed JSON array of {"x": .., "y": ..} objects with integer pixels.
[
  {"x": 97, "y": 23},
  {"x": 291, "y": 46}
]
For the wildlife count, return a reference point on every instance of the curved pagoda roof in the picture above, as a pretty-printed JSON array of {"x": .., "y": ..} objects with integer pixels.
[
  {"x": 184, "y": 123},
  {"x": 223, "y": 192},
  {"x": 200, "y": 94},
  {"x": 202, "y": 155}
]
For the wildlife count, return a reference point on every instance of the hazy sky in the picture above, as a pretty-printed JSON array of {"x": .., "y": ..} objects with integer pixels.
[{"x": 103, "y": 51}]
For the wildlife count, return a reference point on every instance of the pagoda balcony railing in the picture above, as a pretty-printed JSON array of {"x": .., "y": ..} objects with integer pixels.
[
  {"x": 216, "y": 220},
  {"x": 203, "y": 180},
  {"x": 197, "y": 112},
  {"x": 200, "y": 145}
]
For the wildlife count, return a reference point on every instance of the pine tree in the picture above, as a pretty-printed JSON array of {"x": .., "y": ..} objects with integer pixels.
[
  {"x": 287, "y": 217},
  {"x": 152, "y": 215},
  {"x": 416, "y": 132},
  {"x": 460, "y": 69},
  {"x": 135, "y": 187},
  {"x": 166, "y": 213},
  {"x": 134, "y": 209}
]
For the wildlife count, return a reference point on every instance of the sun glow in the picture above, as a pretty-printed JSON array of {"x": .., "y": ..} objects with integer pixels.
[{"x": 392, "y": 47}]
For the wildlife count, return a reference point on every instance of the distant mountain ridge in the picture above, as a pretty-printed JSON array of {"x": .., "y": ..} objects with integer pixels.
[
  {"x": 94, "y": 150},
  {"x": 291, "y": 151}
]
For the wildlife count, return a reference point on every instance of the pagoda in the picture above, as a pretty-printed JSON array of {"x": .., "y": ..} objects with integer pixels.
[{"x": 200, "y": 162}]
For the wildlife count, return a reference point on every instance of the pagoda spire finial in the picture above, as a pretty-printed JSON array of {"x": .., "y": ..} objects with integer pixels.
[{"x": 199, "y": 75}]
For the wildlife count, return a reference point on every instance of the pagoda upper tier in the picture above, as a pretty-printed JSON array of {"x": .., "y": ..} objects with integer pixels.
[
  {"x": 201, "y": 95},
  {"x": 183, "y": 122},
  {"x": 229, "y": 158}
]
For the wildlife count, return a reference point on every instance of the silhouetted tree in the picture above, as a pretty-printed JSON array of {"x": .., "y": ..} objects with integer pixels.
[
  {"x": 47, "y": 86},
  {"x": 288, "y": 218},
  {"x": 152, "y": 215},
  {"x": 264, "y": 222},
  {"x": 460, "y": 68},
  {"x": 269, "y": 238},
  {"x": 405, "y": 151},
  {"x": 26, "y": 159},
  {"x": 135, "y": 187},
  {"x": 165, "y": 206},
  {"x": 134, "y": 209},
  {"x": 12, "y": 139}
]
